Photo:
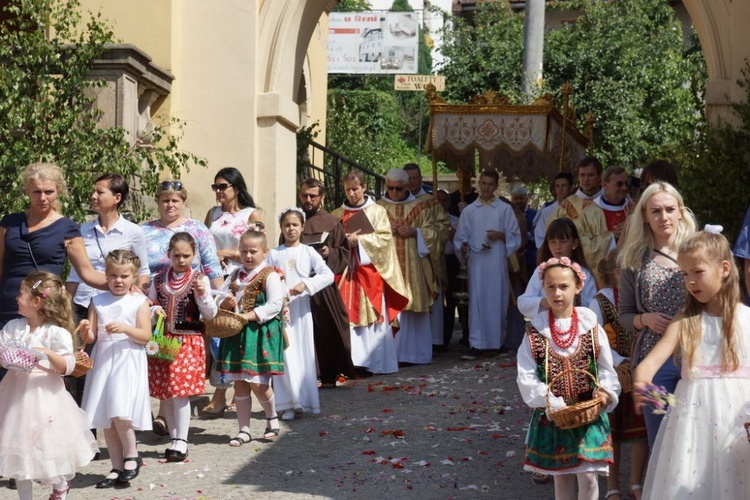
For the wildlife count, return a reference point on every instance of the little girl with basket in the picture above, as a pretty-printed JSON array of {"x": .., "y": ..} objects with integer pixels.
[
  {"x": 256, "y": 353},
  {"x": 182, "y": 296},
  {"x": 44, "y": 436},
  {"x": 565, "y": 373}
]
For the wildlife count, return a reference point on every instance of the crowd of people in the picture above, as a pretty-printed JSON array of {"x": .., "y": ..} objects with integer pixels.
[{"x": 595, "y": 289}]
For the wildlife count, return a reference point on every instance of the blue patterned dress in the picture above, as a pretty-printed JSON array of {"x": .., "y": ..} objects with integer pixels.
[{"x": 157, "y": 239}]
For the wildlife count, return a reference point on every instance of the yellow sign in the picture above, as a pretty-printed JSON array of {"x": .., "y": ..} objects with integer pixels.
[{"x": 418, "y": 82}]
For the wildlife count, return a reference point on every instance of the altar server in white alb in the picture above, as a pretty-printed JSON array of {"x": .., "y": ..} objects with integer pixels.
[
  {"x": 487, "y": 234},
  {"x": 306, "y": 273}
]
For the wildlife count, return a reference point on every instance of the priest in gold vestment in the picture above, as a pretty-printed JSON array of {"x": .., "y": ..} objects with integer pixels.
[
  {"x": 372, "y": 286},
  {"x": 415, "y": 233}
]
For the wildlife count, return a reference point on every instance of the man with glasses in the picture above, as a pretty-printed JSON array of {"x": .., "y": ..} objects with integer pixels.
[
  {"x": 325, "y": 233},
  {"x": 488, "y": 233},
  {"x": 615, "y": 200},
  {"x": 595, "y": 238},
  {"x": 415, "y": 233}
]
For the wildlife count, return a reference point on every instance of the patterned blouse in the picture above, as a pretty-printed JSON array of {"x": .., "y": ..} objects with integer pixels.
[
  {"x": 157, "y": 239},
  {"x": 662, "y": 290}
]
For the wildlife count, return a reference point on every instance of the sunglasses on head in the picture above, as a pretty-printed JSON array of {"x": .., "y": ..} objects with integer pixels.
[
  {"x": 398, "y": 189},
  {"x": 221, "y": 187},
  {"x": 167, "y": 185}
]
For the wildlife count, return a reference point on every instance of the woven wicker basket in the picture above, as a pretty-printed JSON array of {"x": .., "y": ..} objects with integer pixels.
[
  {"x": 579, "y": 414},
  {"x": 625, "y": 376},
  {"x": 83, "y": 362},
  {"x": 225, "y": 324}
]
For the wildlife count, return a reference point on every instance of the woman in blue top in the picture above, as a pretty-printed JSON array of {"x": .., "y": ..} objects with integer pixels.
[{"x": 40, "y": 237}]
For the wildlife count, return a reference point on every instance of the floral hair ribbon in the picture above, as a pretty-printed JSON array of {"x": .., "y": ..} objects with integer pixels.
[
  {"x": 564, "y": 262},
  {"x": 287, "y": 210},
  {"x": 256, "y": 227}
]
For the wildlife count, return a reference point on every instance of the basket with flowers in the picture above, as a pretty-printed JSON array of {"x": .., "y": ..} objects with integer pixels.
[{"x": 160, "y": 346}]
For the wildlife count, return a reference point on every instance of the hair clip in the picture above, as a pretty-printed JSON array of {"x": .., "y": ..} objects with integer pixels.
[
  {"x": 257, "y": 227},
  {"x": 289, "y": 210},
  {"x": 713, "y": 228},
  {"x": 35, "y": 285},
  {"x": 45, "y": 293}
]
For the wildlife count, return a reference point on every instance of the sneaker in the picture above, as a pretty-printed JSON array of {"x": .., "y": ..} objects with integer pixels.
[
  {"x": 473, "y": 354},
  {"x": 288, "y": 415}
]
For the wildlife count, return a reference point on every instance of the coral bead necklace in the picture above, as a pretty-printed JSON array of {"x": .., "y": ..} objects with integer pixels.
[
  {"x": 177, "y": 283},
  {"x": 564, "y": 339}
]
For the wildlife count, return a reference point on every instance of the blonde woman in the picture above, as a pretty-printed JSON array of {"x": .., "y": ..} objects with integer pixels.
[
  {"x": 40, "y": 238},
  {"x": 652, "y": 289}
]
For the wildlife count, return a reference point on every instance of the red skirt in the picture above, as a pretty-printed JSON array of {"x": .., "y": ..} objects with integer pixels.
[{"x": 183, "y": 377}]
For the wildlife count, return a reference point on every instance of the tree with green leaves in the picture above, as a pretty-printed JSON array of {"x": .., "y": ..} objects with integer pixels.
[
  {"x": 47, "y": 48},
  {"x": 626, "y": 61}
]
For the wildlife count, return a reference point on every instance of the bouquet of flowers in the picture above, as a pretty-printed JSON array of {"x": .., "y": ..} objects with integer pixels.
[{"x": 655, "y": 396}]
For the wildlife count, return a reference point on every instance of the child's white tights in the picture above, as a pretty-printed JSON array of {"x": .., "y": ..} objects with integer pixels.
[
  {"x": 176, "y": 411},
  {"x": 588, "y": 487},
  {"x": 26, "y": 488},
  {"x": 121, "y": 444}
]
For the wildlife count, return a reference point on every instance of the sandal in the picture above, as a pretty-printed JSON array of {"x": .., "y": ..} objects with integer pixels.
[
  {"x": 239, "y": 439},
  {"x": 160, "y": 427},
  {"x": 271, "y": 433},
  {"x": 214, "y": 411},
  {"x": 612, "y": 493},
  {"x": 638, "y": 488},
  {"x": 539, "y": 478}
]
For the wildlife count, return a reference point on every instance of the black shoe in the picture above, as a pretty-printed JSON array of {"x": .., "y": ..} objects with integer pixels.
[
  {"x": 473, "y": 354},
  {"x": 463, "y": 341},
  {"x": 12, "y": 484},
  {"x": 107, "y": 482},
  {"x": 176, "y": 455},
  {"x": 128, "y": 475}
]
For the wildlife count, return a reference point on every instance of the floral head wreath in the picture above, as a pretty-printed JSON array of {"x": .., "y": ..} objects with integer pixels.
[
  {"x": 256, "y": 227},
  {"x": 292, "y": 209},
  {"x": 564, "y": 262}
]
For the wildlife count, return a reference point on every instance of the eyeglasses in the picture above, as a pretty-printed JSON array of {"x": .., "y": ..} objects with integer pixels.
[
  {"x": 619, "y": 184},
  {"x": 220, "y": 187},
  {"x": 311, "y": 196},
  {"x": 398, "y": 189},
  {"x": 167, "y": 185}
]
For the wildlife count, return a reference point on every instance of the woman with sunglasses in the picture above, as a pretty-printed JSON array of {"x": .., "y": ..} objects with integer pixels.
[
  {"x": 227, "y": 222},
  {"x": 170, "y": 199}
]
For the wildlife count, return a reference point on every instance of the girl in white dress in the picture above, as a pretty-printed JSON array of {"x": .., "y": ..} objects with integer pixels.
[
  {"x": 306, "y": 273},
  {"x": 116, "y": 396},
  {"x": 702, "y": 449},
  {"x": 44, "y": 436}
]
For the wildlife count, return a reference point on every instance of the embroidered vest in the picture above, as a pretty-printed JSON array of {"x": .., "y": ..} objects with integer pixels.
[
  {"x": 183, "y": 315},
  {"x": 620, "y": 339}
]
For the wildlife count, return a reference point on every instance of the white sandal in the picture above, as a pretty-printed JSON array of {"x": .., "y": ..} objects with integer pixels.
[
  {"x": 612, "y": 493},
  {"x": 636, "y": 487}
]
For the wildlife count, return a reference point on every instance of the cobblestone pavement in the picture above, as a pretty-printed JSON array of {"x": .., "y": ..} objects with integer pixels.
[{"x": 449, "y": 430}]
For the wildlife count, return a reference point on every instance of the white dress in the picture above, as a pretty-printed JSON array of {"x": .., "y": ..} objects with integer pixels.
[
  {"x": 702, "y": 449},
  {"x": 226, "y": 228},
  {"x": 297, "y": 389},
  {"x": 117, "y": 385},
  {"x": 43, "y": 434}
]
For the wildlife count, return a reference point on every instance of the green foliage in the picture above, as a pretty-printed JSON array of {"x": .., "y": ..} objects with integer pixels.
[
  {"x": 401, "y": 6},
  {"x": 713, "y": 165},
  {"x": 47, "y": 114},
  {"x": 625, "y": 60},
  {"x": 366, "y": 126},
  {"x": 352, "y": 6},
  {"x": 484, "y": 55}
]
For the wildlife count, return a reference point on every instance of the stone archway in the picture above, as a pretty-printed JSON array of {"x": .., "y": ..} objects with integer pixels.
[
  {"x": 286, "y": 27},
  {"x": 722, "y": 28}
]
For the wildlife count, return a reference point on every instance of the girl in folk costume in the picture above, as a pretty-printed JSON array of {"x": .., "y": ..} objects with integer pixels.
[
  {"x": 305, "y": 273},
  {"x": 256, "y": 353},
  {"x": 626, "y": 426},
  {"x": 561, "y": 240},
  {"x": 557, "y": 341},
  {"x": 183, "y": 296},
  {"x": 701, "y": 450},
  {"x": 372, "y": 287},
  {"x": 44, "y": 436},
  {"x": 116, "y": 393}
]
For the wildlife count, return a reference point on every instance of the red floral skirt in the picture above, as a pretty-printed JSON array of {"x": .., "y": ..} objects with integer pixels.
[{"x": 185, "y": 376}]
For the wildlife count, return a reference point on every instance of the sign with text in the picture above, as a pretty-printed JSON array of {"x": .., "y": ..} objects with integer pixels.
[
  {"x": 372, "y": 42},
  {"x": 418, "y": 82}
]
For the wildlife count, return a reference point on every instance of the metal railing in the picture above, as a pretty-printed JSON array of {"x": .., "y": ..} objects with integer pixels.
[{"x": 329, "y": 167}]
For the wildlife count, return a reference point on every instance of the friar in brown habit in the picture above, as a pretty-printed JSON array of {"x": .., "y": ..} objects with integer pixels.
[{"x": 325, "y": 233}]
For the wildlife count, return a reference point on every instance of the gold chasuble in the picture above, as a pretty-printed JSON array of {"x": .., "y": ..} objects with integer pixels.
[
  {"x": 436, "y": 263},
  {"x": 364, "y": 283},
  {"x": 591, "y": 223},
  {"x": 415, "y": 268}
]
